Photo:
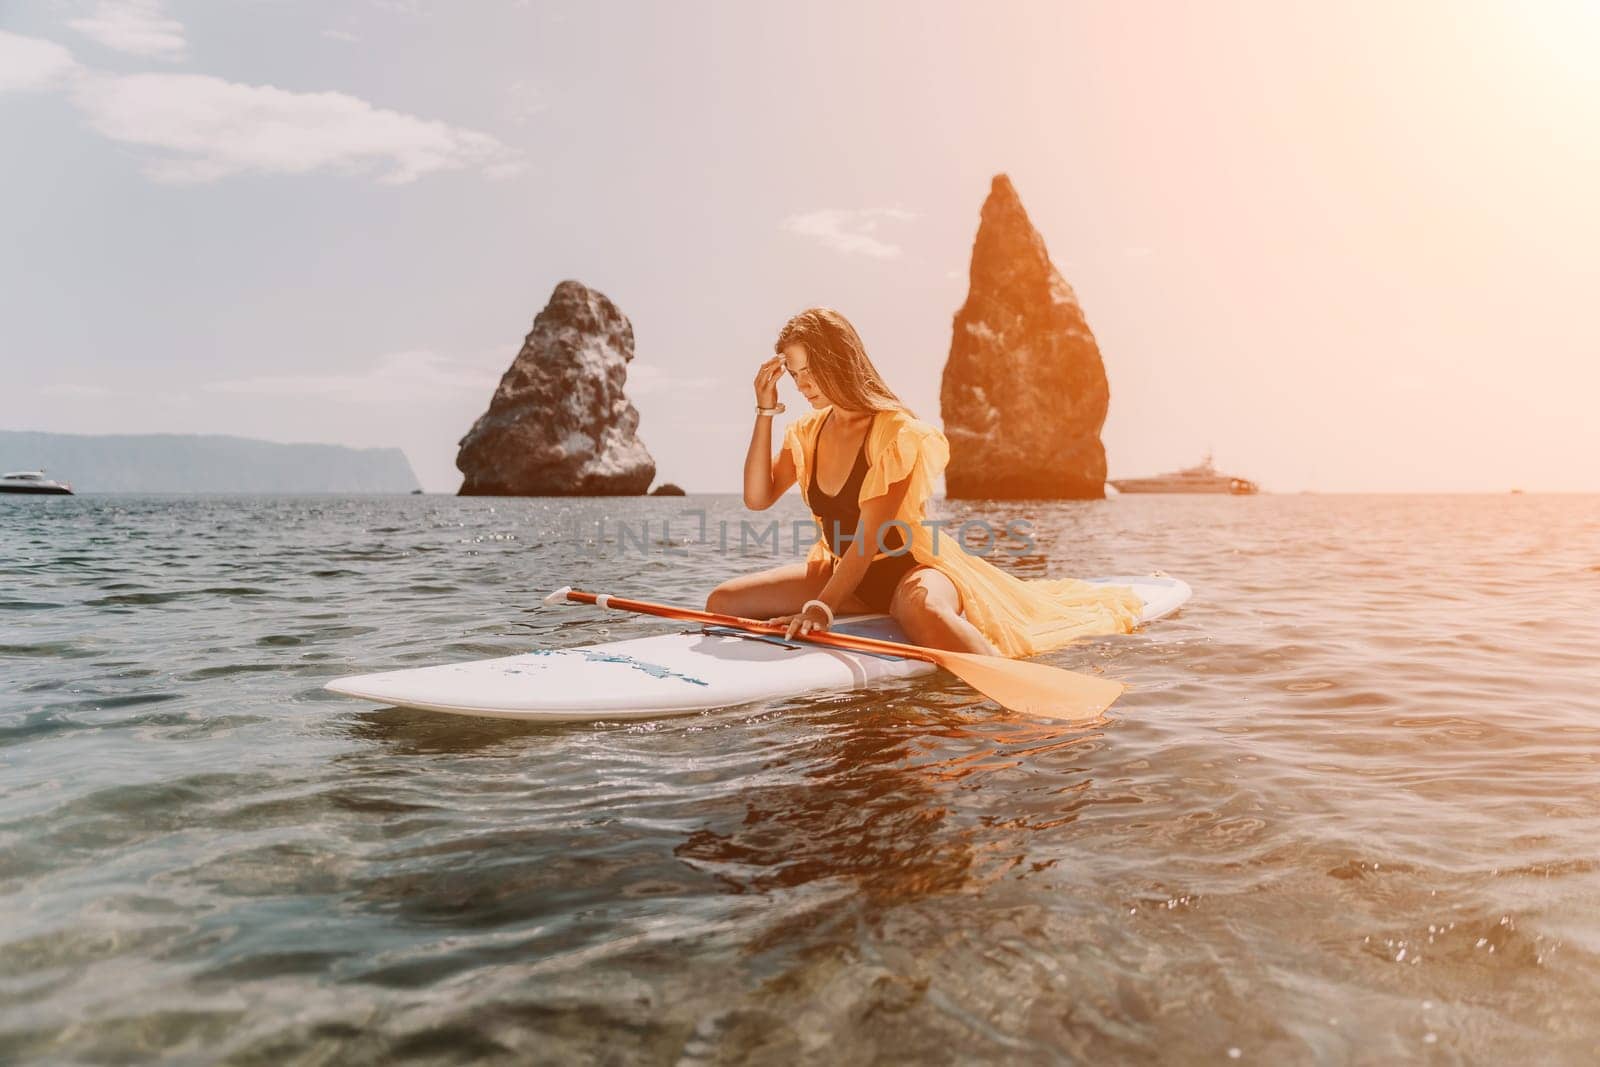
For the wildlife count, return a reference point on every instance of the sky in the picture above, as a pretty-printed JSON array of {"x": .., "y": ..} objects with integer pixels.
[{"x": 1348, "y": 247}]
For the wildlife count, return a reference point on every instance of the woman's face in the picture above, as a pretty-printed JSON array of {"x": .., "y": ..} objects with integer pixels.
[{"x": 797, "y": 361}]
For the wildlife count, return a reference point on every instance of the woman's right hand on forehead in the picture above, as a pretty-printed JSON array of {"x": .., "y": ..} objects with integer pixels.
[{"x": 767, "y": 382}]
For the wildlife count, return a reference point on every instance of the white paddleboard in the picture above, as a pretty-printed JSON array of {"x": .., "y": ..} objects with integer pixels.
[{"x": 672, "y": 674}]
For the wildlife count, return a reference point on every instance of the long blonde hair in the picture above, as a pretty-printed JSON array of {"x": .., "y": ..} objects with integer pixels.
[{"x": 838, "y": 361}]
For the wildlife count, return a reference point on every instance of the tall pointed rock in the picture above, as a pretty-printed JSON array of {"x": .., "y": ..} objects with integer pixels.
[
  {"x": 1024, "y": 393},
  {"x": 559, "y": 423}
]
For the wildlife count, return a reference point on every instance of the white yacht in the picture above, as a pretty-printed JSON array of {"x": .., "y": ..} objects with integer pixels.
[
  {"x": 1202, "y": 478},
  {"x": 33, "y": 482}
]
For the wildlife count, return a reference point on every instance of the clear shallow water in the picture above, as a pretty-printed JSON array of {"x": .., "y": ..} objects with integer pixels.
[{"x": 1349, "y": 810}]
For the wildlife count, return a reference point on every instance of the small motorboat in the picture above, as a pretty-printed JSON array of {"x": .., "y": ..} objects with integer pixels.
[{"x": 33, "y": 482}]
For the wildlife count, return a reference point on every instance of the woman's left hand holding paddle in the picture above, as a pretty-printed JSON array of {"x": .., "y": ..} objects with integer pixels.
[{"x": 813, "y": 618}]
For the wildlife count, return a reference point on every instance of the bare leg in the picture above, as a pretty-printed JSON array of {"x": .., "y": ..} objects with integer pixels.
[
  {"x": 771, "y": 593},
  {"x": 927, "y": 606}
]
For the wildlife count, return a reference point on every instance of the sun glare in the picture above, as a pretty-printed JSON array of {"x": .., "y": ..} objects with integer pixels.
[{"x": 1566, "y": 35}]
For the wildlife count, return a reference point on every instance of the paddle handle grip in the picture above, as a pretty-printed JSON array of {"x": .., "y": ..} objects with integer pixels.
[{"x": 845, "y": 641}]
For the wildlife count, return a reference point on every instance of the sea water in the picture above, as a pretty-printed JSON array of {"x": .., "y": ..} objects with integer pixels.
[{"x": 1348, "y": 809}]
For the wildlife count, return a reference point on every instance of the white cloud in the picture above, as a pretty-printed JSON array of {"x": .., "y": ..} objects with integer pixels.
[
  {"x": 849, "y": 232},
  {"x": 205, "y": 128},
  {"x": 28, "y": 64},
  {"x": 212, "y": 129},
  {"x": 394, "y": 380},
  {"x": 137, "y": 27},
  {"x": 341, "y": 35}
]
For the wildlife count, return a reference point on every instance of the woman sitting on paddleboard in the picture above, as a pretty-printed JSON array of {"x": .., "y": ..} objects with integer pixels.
[{"x": 866, "y": 466}]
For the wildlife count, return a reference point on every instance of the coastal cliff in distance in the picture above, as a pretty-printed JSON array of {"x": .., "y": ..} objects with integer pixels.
[
  {"x": 1024, "y": 394},
  {"x": 204, "y": 463},
  {"x": 559, "y": 423}
]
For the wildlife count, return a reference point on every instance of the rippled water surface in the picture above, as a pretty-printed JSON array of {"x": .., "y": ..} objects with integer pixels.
[{"x": 1350, "y": 808}]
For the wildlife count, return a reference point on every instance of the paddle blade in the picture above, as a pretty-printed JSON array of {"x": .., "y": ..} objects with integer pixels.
[{"x": 1036, "y": 689}]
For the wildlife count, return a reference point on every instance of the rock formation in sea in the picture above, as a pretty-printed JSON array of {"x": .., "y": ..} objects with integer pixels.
[
  {"x": 668, "y": 489},
  {"x": 559, "y": 423},
  {"x": 1024, "y": 393}
]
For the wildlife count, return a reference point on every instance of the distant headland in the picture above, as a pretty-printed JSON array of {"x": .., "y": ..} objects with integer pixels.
[{"x": 205, "y": 463}]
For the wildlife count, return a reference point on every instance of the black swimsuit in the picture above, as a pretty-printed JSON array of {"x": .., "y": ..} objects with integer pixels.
[{"x": 839, "y": 515}]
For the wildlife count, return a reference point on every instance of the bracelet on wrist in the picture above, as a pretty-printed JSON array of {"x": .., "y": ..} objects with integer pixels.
[
  {"x": 825, "y": 609},
  {"x": 779, "y": 410}
]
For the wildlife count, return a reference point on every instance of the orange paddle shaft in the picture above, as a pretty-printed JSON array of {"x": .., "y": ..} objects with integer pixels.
[{"x": 645, "y": 607}]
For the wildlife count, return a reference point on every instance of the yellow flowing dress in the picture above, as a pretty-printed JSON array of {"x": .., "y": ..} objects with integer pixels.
[{"x": 1020, "y": 618}]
